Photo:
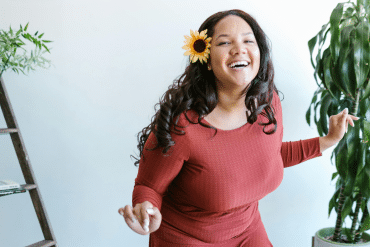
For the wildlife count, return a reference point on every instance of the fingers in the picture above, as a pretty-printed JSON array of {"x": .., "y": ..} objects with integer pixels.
[
  {"x": 344, "y": 114},
  {"x": 351, "y": 122},
  {"x": 142, "y": 215},
  {"x": 155, "y": 218},
  {"x": 127, "y": 213},
  {"x": 154, "y": 213},
  {"x": 145, "y": 219}
]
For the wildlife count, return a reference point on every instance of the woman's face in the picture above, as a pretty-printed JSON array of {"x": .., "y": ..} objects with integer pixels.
[{"x": 235, "y": 56}]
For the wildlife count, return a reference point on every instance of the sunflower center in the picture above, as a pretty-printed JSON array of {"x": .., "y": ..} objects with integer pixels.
[{"x": 199, "y": 45}]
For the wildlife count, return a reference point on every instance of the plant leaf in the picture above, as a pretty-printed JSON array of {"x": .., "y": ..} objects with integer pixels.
[
  {"x": 335, "y": 18},
  {"x": 311, "y": 46},
  {"x": 361, "y": 52},
  {"x": 347, "y": 207},
  {"x": 366, "y": 132},
  {"x": 363, "y": 182},
  {"x": 341, "y": 158},
  {"x": 325, "y": 103},
  {"x": 327, "y": 75},
  {"x": 347, "y": 72},
  {"x": 45, "y": 47},
  {"x": 366, "y": 225},
  {"x": 335, "y": 174},
  {"x": 366, "y": 93}
]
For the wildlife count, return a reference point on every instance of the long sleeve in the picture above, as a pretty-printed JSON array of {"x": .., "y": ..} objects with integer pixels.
[
  {"x": 157, "y": 170},
  {"x": 297, "y": 152}
]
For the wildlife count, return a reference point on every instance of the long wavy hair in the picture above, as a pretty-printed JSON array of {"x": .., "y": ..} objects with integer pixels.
[{"x": 196, "y": 90}]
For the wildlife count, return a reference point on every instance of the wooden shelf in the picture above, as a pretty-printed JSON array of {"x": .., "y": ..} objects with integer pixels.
[
  {"x": 43, "y": 243},
  {"x": 8, "y": 131},
  {"x": 22, "y": 189}
]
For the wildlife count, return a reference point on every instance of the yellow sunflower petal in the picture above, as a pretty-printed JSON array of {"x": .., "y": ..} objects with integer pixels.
[
  {"x": 185, "y": 47},
  {"x": 187, "y": 53},
  {"x": 202, "y": 34},
  {"x": 192, "y": 33},
  {"x": 195, "y": 58}
]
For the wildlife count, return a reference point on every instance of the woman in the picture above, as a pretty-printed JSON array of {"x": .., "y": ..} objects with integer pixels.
[{"x": 214, "y": 148}]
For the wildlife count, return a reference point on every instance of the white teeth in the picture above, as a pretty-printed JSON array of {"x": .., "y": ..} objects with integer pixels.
[{"x": 245, "y": 63}]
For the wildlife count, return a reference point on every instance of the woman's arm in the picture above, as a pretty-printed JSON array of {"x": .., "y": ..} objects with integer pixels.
[{"x": 325, "y": 143}]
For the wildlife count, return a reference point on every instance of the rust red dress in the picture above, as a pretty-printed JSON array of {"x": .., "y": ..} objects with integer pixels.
[{"x": 208, "y": 186}]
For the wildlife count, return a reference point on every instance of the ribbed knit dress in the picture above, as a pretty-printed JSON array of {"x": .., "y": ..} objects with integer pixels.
[{"x": 207, "y": 186}]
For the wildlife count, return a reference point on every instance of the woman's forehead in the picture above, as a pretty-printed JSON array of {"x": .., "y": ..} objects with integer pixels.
[{"x": 232, "y": 24}]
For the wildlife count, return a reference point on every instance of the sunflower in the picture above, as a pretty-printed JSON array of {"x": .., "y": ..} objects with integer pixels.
[{"x": 197, "y": 46}]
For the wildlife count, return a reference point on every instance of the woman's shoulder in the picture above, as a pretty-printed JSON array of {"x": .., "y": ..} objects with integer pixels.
[
  {"x": 276, "y": 96},
  {"x": 186, "y": 118},
  {"x": 276, "y": 102}
]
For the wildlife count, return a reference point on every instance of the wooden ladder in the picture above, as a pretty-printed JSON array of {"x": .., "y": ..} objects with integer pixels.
[{"x": 29, "y": 177}]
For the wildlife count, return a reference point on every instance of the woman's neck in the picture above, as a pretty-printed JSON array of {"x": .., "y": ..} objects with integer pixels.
[{"x": 231, "y": 102}]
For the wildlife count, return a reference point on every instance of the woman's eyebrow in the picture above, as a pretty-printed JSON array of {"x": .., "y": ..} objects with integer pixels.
[{"x": 226, "y": 35}]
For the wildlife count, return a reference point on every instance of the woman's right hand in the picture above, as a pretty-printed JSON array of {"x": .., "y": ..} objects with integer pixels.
[{"x": 143, "y": 218}]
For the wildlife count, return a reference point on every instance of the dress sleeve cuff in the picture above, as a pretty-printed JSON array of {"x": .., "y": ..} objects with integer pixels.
[{"x": 144, "y": 193}]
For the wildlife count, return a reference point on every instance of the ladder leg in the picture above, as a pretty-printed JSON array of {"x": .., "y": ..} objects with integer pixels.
[{"x": 25, "y": 164}]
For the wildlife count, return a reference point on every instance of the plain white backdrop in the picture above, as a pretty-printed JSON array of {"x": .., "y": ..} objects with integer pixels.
[{"x": 112, "y": 60}]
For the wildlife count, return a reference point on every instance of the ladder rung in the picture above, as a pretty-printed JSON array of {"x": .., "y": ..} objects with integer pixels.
[
  {"x": 8, "y": 131},
  {"x": 29, "y": 186},
  {"x": 43, "y": 243}
]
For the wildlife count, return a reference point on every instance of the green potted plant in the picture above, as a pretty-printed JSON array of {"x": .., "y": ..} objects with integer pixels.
[
  {"x": 13, "y": 54},
  {"x": 342, "y": 75}
]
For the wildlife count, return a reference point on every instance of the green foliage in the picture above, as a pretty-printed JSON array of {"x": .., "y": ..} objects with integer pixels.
[
  {"x": 342, "y": 73},
  {"x": 13, "y": 52}
]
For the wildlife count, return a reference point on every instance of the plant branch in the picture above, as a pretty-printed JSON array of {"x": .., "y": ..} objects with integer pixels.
[
  {"x": 358, "y": 234},
  {"x": 338, "y": 225},
  {"x": 355, "y": 218}
]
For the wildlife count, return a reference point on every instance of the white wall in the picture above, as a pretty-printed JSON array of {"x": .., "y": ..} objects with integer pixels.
[{"x": 112, "y": 61}]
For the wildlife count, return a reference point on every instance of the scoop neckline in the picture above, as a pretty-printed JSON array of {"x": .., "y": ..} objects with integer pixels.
[{"x": 222, "y": 130}]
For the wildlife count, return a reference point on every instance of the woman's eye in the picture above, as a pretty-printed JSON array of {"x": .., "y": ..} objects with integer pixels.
[
  {"x": 248, "y": 41},
  {"x": 222, "y": 43}
]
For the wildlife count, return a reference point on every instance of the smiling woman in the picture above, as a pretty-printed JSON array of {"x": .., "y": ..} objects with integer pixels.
[
  {"x": 214, "y": 148},
  {"x": 235, "y": 54}
]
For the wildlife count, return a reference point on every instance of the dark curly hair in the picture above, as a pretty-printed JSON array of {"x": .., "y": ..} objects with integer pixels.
[{"x": 196, "y": 90}]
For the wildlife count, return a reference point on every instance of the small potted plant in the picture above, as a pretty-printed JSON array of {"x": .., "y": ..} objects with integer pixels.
[
  {"x": 342, "y": 75},
  {"x": 13, "y": 54}
]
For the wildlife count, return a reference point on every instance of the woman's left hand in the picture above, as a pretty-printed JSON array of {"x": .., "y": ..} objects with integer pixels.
[{"x": 338, "y": 125}]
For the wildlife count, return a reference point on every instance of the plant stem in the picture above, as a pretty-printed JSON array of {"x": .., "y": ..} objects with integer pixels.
[
  {"x": 359, "y": 199},
  {"x": 357, "y": 210},
  {"x": 338, "y": 225},
  {"x": 358, "y": 234}
]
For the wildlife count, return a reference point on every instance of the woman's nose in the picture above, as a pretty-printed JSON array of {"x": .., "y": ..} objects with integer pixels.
[{"x": 238, "y": 48}]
